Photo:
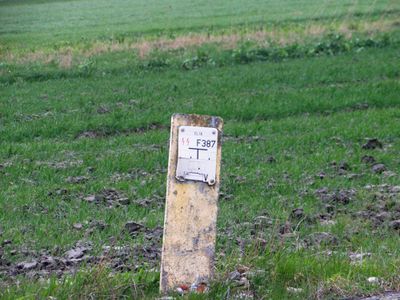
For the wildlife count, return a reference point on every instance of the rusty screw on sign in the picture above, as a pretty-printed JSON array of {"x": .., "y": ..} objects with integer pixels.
[{"x": 193, "y": 181}]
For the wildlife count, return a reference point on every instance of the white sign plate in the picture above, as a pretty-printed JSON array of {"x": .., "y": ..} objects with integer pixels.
[{"x": 197, "y": 154}]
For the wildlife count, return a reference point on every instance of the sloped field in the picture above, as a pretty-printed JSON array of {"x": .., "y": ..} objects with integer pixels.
[{"x": 310, "y": 95}]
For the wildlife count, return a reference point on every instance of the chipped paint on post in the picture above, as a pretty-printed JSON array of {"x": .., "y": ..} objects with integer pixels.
[{"x": 190, "y": 216}]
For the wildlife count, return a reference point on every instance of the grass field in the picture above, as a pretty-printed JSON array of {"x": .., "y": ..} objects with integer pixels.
[
  {"x": 310, "y": 203},
  {"x": 34, "y": 23}
]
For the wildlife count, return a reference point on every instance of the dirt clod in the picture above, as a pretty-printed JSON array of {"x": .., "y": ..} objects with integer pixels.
[
  {"x": 372, "y": 144},
  {"x": 394, "y": 189},
  {"x": 77, "y": 179},
  {"x": 27, "y": 265},
  {"x": 270, "y": 159},
  {"x": 368, "y": 159},
  {"x": 330, "y": 209},
  {"x": 109, "y": 197},
  {"x": 235, "y": 275},
  {"x": 90, "y": 198},
  {"x": 76, "y": 253},
  {"x": 98, "y": 224},
  {"x": 297, "y": 213},
  {"x": 6, "y": 242},
  {"x": 89, "y": 134},
  {"x": 77, "y": 226},
  {"x": 124, "y": 201},
  {"x": 344, "y": 166},
  {"x": 342, "y": 196},
  {"x": 382, "y": 216},
  {"x": 395, "y": 224},
  {"x": 133, "y": 228},
  {"x": 378, "y": 168}
]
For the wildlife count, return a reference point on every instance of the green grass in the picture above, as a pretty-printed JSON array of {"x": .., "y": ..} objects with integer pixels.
[
  {"x": 305, "y": 107},
  {"x": 32, "y": 23}
]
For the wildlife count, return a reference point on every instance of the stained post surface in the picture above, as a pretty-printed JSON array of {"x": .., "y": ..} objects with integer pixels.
[{"x": 190, "y": 216}]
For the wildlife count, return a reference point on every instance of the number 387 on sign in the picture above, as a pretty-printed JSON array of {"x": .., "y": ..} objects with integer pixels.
[{"x": 205, "y": 143}]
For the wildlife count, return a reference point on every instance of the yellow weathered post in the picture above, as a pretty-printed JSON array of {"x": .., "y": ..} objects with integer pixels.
[{"x": 191, "y": 203}]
